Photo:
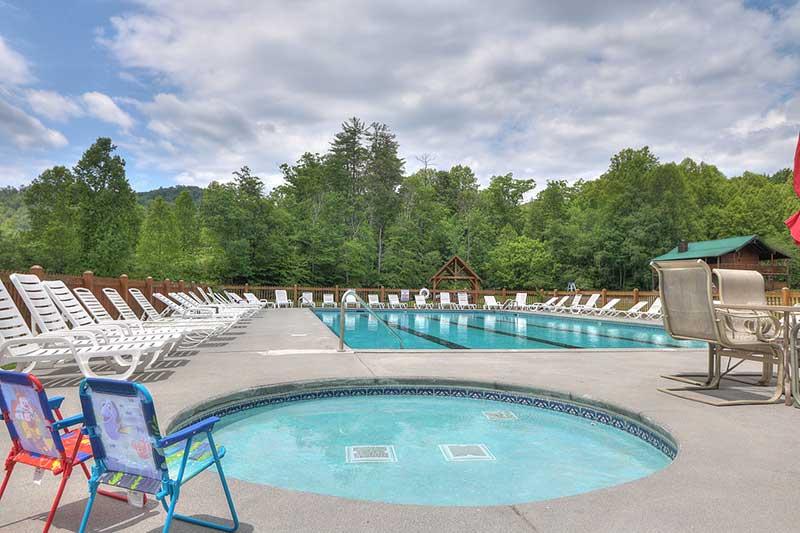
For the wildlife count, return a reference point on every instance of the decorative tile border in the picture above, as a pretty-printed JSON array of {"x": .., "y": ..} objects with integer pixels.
[{"x": 594, "y": 414}]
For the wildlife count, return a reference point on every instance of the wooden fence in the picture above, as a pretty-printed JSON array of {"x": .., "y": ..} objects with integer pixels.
[
  {"x": 627, "y": 298},
  {"x": 96, "y": 284}
]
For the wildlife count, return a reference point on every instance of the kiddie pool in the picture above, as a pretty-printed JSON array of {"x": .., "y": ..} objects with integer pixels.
[{"x": 432, "y": 444}]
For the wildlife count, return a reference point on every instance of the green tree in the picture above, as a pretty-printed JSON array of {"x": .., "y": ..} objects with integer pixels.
[{"x": 158, "y": 251}]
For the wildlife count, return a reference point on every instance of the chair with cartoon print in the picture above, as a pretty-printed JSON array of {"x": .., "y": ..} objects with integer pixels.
[
  {"x": 34, "y": 423},
  {"x": 131, "y": 454}
]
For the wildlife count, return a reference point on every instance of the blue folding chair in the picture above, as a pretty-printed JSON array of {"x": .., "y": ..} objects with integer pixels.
[{"x": 130, "y": 453}]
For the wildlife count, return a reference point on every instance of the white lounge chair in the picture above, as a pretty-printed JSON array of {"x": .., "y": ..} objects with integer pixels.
[
  {"x": 281, "y": 299},
  {"x": 587, "y": 307},
  {"x": 444, "y": 301},
  {"x": 395, "y": 303},
  {"x": 540, "y": 305},
  {"x": 328, "y": 300},
  {"x": 557, "y": 305},
  {"x": 306, "y": 300},
  {"x": 252, "y": 299},
  {"x": 576, "y": 302},
  {"x": 351, "y": 301},
  {"x": 463, "y": 301},
  {"x": 607, "y": 310},
  {"x": 421, "y": 303},
  {"x": 490, "y": 302},
  {"x": 374, "y": 301},
  {"x": 151, "y": 316},
  {"x": 652, "y": 313},
  {"x": 635, "y": 310},
  {"x": 520, "y": 301}
]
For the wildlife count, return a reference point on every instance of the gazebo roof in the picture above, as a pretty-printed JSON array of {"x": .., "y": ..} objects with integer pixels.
[{"x": 455, "y": 269}]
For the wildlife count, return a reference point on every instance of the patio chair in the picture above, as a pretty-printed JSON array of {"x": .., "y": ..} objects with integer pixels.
[
  {"x": 281, "y": 299},
  {"x": 589, "y": 306},
  {"x": 444, "y": 301},
  {"x": 463, "y": 301},
  {"x": 490, "y": 302},
  {"x": 253, "y": 300},
  {"x": 306, "y": 300},
  {"x": 395, "y": 303},
  {"x": 689, "y": 313},
  {"x": 421, "y": 303},
  {"x": 374, "y": 301},
  {"x": 653, "y": 312},
  {"x": 635, "y": 310},
  {"x": 34, "y": 423},
  {"x": 520, "y": 301},
  {"x": 576, "y": 302},
  {"x": 351, "y": 301},
  {"x": 140, "y": 460},
  {"x": 610, "y": 309},
  {"x": 328, "y": 300}
]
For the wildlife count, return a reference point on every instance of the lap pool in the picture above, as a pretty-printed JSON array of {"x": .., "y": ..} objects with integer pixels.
[{"x": 442, "y": 330}]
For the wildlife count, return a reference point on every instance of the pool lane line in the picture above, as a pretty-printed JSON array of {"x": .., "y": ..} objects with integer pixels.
[
  {"x": 527, "y": 337},
  {"x": 666, "y": 345},
  {"x": 437, "y": 340}
]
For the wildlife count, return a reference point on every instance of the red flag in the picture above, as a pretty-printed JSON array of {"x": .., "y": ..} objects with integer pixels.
[
  {"x": 797, "y": 168},
  {"x": 793, "y": 223}
]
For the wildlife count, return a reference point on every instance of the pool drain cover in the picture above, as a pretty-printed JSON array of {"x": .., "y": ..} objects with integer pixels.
[
  {"x": 499, "y": 415},
  {"x": 466, "y": 452},
  {"x": 370, "y": 454}
]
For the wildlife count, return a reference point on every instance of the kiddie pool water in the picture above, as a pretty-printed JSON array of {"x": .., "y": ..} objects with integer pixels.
[
  {"x": 442, "y": 330},
  {"x": 531, "y": 453}
]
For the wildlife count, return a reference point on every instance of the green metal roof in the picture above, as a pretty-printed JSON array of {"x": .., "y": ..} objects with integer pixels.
[{"x": 701, "y": 249}]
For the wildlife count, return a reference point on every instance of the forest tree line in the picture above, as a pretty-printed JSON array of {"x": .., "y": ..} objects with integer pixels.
[{"x": 353, "y": 217}]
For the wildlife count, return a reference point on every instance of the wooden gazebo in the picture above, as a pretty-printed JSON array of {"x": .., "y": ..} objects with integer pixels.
[{"x": 456, "y": 269}]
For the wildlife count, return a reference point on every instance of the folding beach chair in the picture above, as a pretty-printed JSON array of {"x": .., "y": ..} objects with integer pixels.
[
  {"x": 34, "y": 422},
  {"x": 131, "y": 454}
]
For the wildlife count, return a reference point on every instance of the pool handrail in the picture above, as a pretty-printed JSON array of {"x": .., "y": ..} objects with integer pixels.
[{"x": 343, "y": 310}]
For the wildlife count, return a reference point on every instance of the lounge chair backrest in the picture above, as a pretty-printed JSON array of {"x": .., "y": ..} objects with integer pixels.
[
  {"x": 576, "y": 300},
  {"x": 28, "y": 416},
  {"x": 521, "y": 299},
  {"x": 182, "y": 300},
  {"x": 463, "y": 298},
  {"x": 94, "y": 306},
  {"x": 44, "y": 313},
  {"x": 687, "y": 300},
  {"x": 12, "y": 323},
  {"x": 281, "y": 297},
  {"x": 328, "y": 298},
  {"x": 561, "y": 301},
  {"x": 592, "y": 300},
  {"x": 551, "y": 301},
  {"x": 174, "y": 307},
  {"x": 372, "y": 299},
  {"x": 350, "y": 299},
  {"x": 206, "y": 297},
  {"x": 192, "y": 296},
  {"x": 741, "y": 287},
  {"x": 121, "y": 423},
  {"x": 490, "y": 300},
  {"x": 66, "y": 302},
  {"x": 637, "y": 307},
  {"x": 419, "y": 300},
  {"x": 251, "y": 298},
  {"x": 444, "y": 297},
  {"x": 145, "y": 304},
  {"x": 119, "y": 303},
  {"x": 235, "y": 298},
  {"x": 393, "y": 299},
  {"x": 655, "y": 308},
  {"x": 611, "y": 304},
  {"x": 308, "y": 297}
]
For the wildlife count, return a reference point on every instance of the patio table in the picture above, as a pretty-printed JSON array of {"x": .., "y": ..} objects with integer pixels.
[{"x": 789, "y": 344}]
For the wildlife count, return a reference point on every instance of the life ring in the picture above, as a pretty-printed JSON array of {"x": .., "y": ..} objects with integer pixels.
[{"x": 425, "y": 293}]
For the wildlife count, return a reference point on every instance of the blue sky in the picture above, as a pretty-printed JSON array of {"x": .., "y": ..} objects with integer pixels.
[{"x": 191, "y": 91}]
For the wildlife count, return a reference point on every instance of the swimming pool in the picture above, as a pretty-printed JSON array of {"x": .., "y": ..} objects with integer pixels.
[
  {"x": 492, "y": 330},
  {"x": 437, "y": 445}
]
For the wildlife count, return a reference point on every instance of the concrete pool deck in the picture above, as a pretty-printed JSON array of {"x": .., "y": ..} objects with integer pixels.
[{"x": 737, "y": 468}]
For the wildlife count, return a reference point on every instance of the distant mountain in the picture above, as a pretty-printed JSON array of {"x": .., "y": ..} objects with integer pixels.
[{"x": 170, "y": 193}]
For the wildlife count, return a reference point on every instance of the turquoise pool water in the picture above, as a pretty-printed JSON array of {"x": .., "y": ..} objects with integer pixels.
[
  {"x": 441, "y": 330},
  {"x": 444, "y": 450}
]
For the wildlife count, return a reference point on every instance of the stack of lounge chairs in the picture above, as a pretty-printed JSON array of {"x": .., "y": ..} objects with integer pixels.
[{"x": 73, "y": 326}]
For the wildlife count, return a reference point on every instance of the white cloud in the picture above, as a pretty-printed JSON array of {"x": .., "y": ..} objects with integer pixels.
[
  {"x": 52, "y": 105},
  {"x": 25, "y": 131},
  {"x": 14, "y": 69},
  {"x": 542, "y": 89},
  {"x": 102, "y": 107}
]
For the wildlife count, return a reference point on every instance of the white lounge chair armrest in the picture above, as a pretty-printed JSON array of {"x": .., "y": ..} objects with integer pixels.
[{"x": 41, "y": 340}]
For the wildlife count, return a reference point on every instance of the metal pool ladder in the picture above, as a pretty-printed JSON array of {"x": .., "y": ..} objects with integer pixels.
[{"x": 343, "y": 310}]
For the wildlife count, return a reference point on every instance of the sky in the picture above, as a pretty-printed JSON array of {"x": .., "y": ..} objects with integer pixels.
[{"x": 191, "y": 91}]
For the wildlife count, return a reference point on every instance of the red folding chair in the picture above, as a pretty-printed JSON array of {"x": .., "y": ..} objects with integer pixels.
[{"x": 35, "y": 424}]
